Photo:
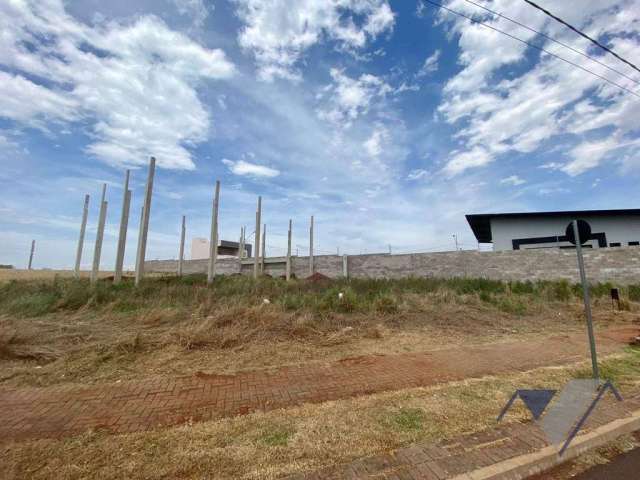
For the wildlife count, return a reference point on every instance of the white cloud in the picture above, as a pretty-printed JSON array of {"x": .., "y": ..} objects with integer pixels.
[
  {"x": 42, "y": 104},
  {"x": 549, "y": 99},
  {"x": 514, "y": 180},
  {"x": 196, "y": 9},
  {"x": 551, "y": 166},
  {"x": 375, "y": 144},
  {"x": 242, "y": 167},
  {"x": 135, "y": 83},
  {"x": 278, "y": 32},
  {"x": 589, "y": 154},
  {"x": 430, "y": 64},
  {"x": 350, "y": 98},
  {"x": 417, "y": 174},
  {"x": 460, "y": 161}
]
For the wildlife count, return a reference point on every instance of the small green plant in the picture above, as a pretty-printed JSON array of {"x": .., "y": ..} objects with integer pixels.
[
  {"x": 616, "y": 370},
  {"x": 276, "y": 438},
  {"x": 634, "y": 293},
  {"x": 560, "y": 290},
  {"x": 33, "y": 304},
  {"x": 338, "y": 299},
  {"x": 386, "y": 304},
  {"x": 408, "y": 419},
  {"x": 292, "y": 301}
]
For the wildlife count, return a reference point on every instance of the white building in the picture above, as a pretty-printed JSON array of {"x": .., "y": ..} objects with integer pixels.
[
  {"x": 598, "y": 229},
  {"x": 199, "y": 249}
]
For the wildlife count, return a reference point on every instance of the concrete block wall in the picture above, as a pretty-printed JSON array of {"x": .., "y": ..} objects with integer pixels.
[{"x": 617, "y": 265}]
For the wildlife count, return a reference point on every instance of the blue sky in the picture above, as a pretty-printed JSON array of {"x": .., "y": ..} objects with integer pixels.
[{"x": 388, "y": 121}]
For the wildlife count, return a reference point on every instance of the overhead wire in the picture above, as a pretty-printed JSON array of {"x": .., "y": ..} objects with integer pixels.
[
  {"x": 544, "y": 35},
  {"x": 581, "y": 33},
  {"x": 532, "y": 45}
]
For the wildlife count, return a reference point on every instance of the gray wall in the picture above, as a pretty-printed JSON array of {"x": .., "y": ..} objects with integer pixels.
[
  {"x": 618, "y": 265},
  {"x": 623, "y": 229}
]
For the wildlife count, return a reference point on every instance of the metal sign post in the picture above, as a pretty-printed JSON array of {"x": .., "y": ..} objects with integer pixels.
[{"x": 587, "y": 303}]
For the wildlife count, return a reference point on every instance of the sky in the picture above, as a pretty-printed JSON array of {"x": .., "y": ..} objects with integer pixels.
[{"x": 386, "y": 120}]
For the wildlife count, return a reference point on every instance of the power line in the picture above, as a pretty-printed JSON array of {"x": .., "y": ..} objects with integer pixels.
[
  {"x": 592, "y": 40},
  {"x": 473, "y": 20},
  {"x": 575, "y": 50}
]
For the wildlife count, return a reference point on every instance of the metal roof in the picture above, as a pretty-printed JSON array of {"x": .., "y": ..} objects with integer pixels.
[{"x": 480, "y": 223}]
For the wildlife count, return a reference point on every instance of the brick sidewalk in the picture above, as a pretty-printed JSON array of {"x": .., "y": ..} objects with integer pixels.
[
  {"x": 446, "y": 460},
  {"x": 142, "y": 405}
]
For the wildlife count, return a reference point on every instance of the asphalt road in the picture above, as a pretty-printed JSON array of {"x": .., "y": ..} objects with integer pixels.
[{"x": 623, "y": 467}]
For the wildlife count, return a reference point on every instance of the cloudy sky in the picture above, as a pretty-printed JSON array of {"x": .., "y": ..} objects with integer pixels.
[{"x": 388, "y": 121}]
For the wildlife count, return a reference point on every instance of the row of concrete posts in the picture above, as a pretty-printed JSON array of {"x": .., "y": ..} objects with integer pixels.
[
  {"x": 260, "y": 237},
  {"x": 122, "y": 235},
  {"x": 260, "y": 242}
]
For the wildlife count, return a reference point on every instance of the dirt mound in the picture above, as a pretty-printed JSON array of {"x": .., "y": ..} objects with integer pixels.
[{"x": 317, "y": 277}]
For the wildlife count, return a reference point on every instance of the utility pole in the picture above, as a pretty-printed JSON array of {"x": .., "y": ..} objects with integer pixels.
[
  {"x": 83, "y": 228},
  {"x": 183, "y": 232},
  {"x": 124, "y": 222},
  {"x": 33, "y": 249},
  {"x": 288, "y": 265},
  {"x": 256, "y": 256},
  {"x": 97, "y": 250},
  {"x": 587, "y": 304},
  {"x": 264, "y": 247},
  {"x": 241, "y": 245},
  {"x": 213, "y": 241},
  {"x": 144, "y": 222},
  {"x": 311, "y": 247}
]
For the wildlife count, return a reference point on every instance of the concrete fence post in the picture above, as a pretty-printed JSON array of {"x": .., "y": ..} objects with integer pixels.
[
  {"x": 256, "y": 256},
  {"x": 345, "y": 266},
  {"x": 124, "y": 223},
  {"x": 139, "y": 239},
  {"x": 311, "y": 268},
  {"x": 288, "y": 266},
  {"x": 83, "y": 229},
  {"x": 240, "y": 249},
  {"x": 213, "y": 240},
  {"x": 183, "y": 232},
  {"x": 33, "y": 249},
  {"x": 263, "y": 250},
  {"x": 97, "y": 250},
  {"x": 144, "y": 223}
]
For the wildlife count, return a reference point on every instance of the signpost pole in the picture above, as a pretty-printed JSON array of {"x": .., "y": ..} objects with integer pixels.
[{"x": 587, "y": 304}]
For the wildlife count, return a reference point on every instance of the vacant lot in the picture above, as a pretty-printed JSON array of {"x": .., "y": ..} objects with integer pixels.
[{"x": 62, "y": 331}]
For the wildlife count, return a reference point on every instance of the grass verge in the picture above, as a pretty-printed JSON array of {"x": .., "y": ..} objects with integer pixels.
[{"x": 273, "y": 444}]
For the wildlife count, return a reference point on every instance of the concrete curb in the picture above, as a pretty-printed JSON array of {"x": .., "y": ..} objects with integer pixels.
[{"x": 526, "y": 465}]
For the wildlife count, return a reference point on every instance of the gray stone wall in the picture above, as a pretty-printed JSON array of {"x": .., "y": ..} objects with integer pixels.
[{"x": 617, "y": 265}]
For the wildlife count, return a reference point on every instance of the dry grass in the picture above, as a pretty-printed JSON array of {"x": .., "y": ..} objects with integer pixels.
[
  {"x": 63, "y": 331},
  {"x": 273, "y": 444},
  {"x": 16, "y": 274}
]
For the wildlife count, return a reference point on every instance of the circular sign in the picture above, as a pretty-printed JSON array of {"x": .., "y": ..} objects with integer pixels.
[{"x": 584, "y": 230}]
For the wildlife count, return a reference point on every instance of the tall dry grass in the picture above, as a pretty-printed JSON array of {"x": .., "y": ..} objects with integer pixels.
[{"x": 63, "y": 329}]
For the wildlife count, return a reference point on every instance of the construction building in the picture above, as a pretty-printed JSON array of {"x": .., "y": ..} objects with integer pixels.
[{"x": 200, "y": 249}]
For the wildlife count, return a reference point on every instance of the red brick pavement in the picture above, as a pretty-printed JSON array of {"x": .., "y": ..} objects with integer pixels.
[
  {"x": 445, "y": 460},
  {"x": 28, "y": 413}
]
